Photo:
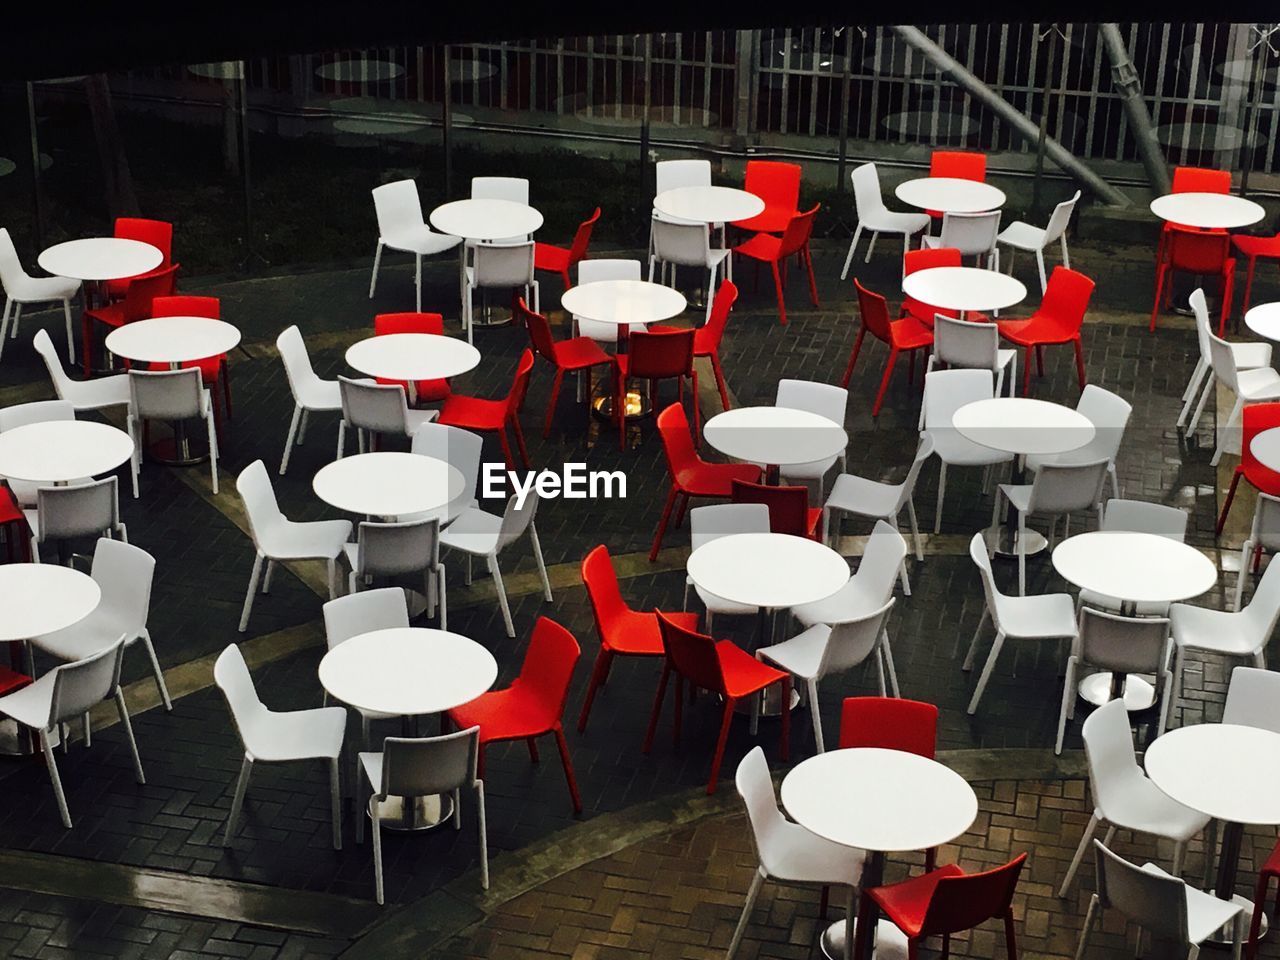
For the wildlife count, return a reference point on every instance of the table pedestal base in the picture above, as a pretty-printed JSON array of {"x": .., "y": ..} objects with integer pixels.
[
  {"x": 1139, "y": 693},
  {"x": 1006, "y": 541},
  {"x": 178, "y": 451},
  {"x": 1225, "y": 936},
  {"x": 891, "y": 943},
  {"x": 14, "y": 741},
  {"x": 424, "y": 813},
  {"x": 637, "y": 406}
]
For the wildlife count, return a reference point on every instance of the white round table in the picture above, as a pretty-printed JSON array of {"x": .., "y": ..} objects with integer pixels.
[
  {"x": 1264, "y": 320},
  {"x": 1208, "y": 211},
  {"x": 964, "y": 288},
  {"x": 98, "y": 259},
  {"x": 389, "y": 484},
  {"x": 708, "y": 204},
  {"x": 482, "y": 220},
  {"x": 40, "y": 598},
  {"x": 359, "y": 71},
  {"x": 950, "y": 195},
  {"x": 775, "y": 436},
  {"x": 173, "y": 340},
  {"x": 1265, "y": 447},
  {"x": 880, "y": 801},
  {"x": 410, "y": 357},
  {"x": 623, "y": 302},
  {"x": 59, "y": 452}
]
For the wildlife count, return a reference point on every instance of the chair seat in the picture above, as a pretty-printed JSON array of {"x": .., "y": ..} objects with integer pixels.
[
  {"x": 428, "y": 391},
  {"x": 1251, "y": 356},
  {"x": 1218, "y": 631},
  {"x": 1103, "y": 602},
  {"x": 304, "y": 540},
  {"x": 1022, "y": 236},
  {"x": 637, "y": 633},
  {"x": 769, "y": 220},
  {"x": 764, "y": 247},
  {"x": 802, "y": 654},
  {"x": 889, "y": 221},
  {"x": 1045, "y": 616},
  {"x": 1018, "y": 495},
  {"x": 1143, "y": 807},
  {"x": 30, "y": 704},
  {"x": 320, "y": 395},
  {"x": 1258, "y": 246},
  {"x": 474, "y": 531},
  {"x": 510, "y": 714},
  {"x": 812, "y": 470},
  {"x": 99, "y": 392},
  {"x": 907, "y": 903},
  {"x": 112, "y": 314},
  {"x": 743, "y": 673},
  {"x": 850, "y": 602},
  {"x": 715, "y": 479},
  {"x": 908, "y": 333},
  {"x": 1205, "y": 912},
  {"x": 474, "y": 413},
  {"x": 794, "y": 855},
  {"x": 923, "y": 313},
  {"x": 85, "y": 638},
  {"x": 1260, "y": 384},
  {"x": 547, "y": 256},
  {"x": 867, "y": 498},
  {"x": 25, "y": 289},
  {"x": 580, "y": 353},
  {"x": 935, "y": 243},
  {"x": 12, "y": 680},
  {"x": 1035, "y": 330},
  {"x": 421, "y": 240},
  {"x": 957, "y": 451},
  {"x": 718, "y": 604},
  {"x": 296, "y": 735}
]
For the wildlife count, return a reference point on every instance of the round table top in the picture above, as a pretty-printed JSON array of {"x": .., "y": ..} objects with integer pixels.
[
  {"x": 1134, "y": 567},
  {"x": 485, "y": 219},
  {"x": 1023, "y": 425},
  {"x": 708, "y": 204},
  {"x": 407, "y": 671},
  {"x": 388, "y": 484},
  {"x": 369, "y": 71},
  {"x": 774, "y": 570},
  {"x": 950, "y": 195},
  {"x": 40, "y": 598},
  {"x": 964, "y": 288},
  {"x": 1264, "y": 320},
  {"x": 1228, "y": 771},
  {"x": 888, "y": 801},
  {"x": 774, "y": 435},
  {"x": 60, "y": 451},
  {"x": 1207, "y": 210},
  {"x": 413, "y": 356},
  {"x": 623, "y": 301},
  {"x": 1265, "y": 447},
  {"x": 100, "y": 258},
  {"x": 172, "y": 339}
]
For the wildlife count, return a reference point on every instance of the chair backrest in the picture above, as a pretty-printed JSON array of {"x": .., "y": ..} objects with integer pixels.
[
  {"x": 166, "y": 394},
  {"x": 1200, "y": 309},
  {"x": 1265, "y": 531},
  {"x": 1223, "y": 362},
  {"x": 1066, "y": 298},
  {"x": 1114, "y": 773},
  {"x": 261, "y": 507},
  {"x": 392, "y": 549},
  {"x": 540, "y": 337},
  {"x": 1197, "y": 251},
  {"x": 852, "y": 641},
  {"x": 799, "y": 229},
  {"x": 158, "y": 233},
  {"x": 970, "y": 233},
  {"x": 1063, "y": 487},
  {"x": 928, "y": 258},
  {"x": 590, "y": 271},
  {"x": 380, "y": 407},
  {"x": 1253, "y": 697},
  {"x": 755, "y": 786},
  {"x": 296, "y": 360},
  {"x": 960, "y": 164},
  {"x": 677, "y": 438},
  {"x": 53, "y": 363},
  {"x": 517, "y": 517},
  {"x": 963, "y": 902},
  {"x": 143, "y": 291},
  {"x": 672, "y": 174},
  {"x": 80, "y": 685},
  {"x": 547, "y": 669},
  {"x": 457, "y": 447},
  {"x": 386, "y": 324},
  {"x": 1109, "y": 415},
  {"x": 961, "y": 343},
  {"x": 1155, "y": 901},
  {"x": 1123, "y": 644},
  {"x": 721, "y": 307},
  {"x": 1139, "y": 516},
  {"x": 889, "y": 723},
  {"x": 881, "y": 560},
  {"x": 504, "y": 264},
  {"x": 231, "y": 674},
  {"x": 424, "y": 766},
  {"x": 1060, "y": 219},
  {"x": 603, "y": 591},
  {"x": 788, "y": 505},
  {"x": 582, "y": 239},
  {"x": 775, "y": 182},
  {"x": 78, "y": 510},
  {"x": 874, "y": 311},
  {"x": 995, "y": 600},
  {"x": 924, "y": 450},
  {"x": 37, "y": 411},
  {"x": 684, "y": 244},
  {"x": 186, "y": 305},
  {"x": 397, "y": 207},
  {"x": 724, "y": 520},
  {"x": 656, "y": 354},
  {"x": 515, "y": 189},
  {"x": 824, "y": 399},
  {"x": 1200, "y": 180},
  {"x": 868, "y": 199},
  {"x": 946, "y": 391},
  {"x": 11, "y": 271},
  {"x": 692, "y": 654},
  {"x": 382, "y": 609},
  {"x": 124, "y": 573},
  {"x": 519, "y": 385}
]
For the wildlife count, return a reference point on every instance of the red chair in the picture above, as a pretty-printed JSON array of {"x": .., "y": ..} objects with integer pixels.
[
  {"x": 706, "y": 339},
  {"x": 136, "y": 305},
  {"x": 1058, "y": 321},
  {"x": 766, "y": 248},
  {"x": 907, "y": 334},
  {"x": 1193, "y": 180},
  {"x": 1254, "y": 249},
  {"x": 534, "y": 703},
  {"x": 720, "y": 667},
  {"x": 927, "y": 259},
  {"x": 623, "y": 632},
  {"x": 386, "y": 324},
  {"x": 567, "y": 356},
  {"x": 158, "y": 233},
  {"x": 1255, "y": 418},
  {"x": 959, "y": 165},
  {"x": 889, "y": 723},
  {"x": 1202, "y": 252},
  {"x": 691, "y": 476},
  {"x": 789, "y": 510},
  {"x": 778, "y": 184},
  {"x": 493, "y": 416},
  {"x": 17, "y": 535},
  {"x": 653, "y": 355},
  {"x": 561, "y": 260},
  {"x": 212, "y": 369},
  {"x": 1270, "y": 871}
]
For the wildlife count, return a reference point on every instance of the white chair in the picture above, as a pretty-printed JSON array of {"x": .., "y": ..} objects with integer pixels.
[
  {"x": 373, "y": 409},
  {"x": 829, "y": 648},
  {"x": 962, "y": 344},
  {"x": 1125, "y": 645},
  {"x": 875, "y": 217},
  {"x": 1023, "y": 236},
  {"x": 512, "y": 189},
  {"x": 591, "y": 271},
  {"x": 1248, "y": 356},
  {"x": 310, "y": 392},
  {"x": 688, "y": 245},
  {"x": 391, "y": 550},
  {"x": 826, "y": 400},
  {"x": 96, "y": 394},
  {"x": 1264, "y": 534},
  {"x": 1167, "y": 908},
  {"x": 401, "y": 226},
  {"x": 1138, "y": 516},
  {"x": 674, "y": 174},
  {"x": 1253, "y": 696},
  {"x": 877, "y": 500},
  {"x": 480, "y": 534},
  {"x": 1249, "y": 386},
  {"x": 171, "y": 395},
  {"x": 64, "y": 693},
  {"x": 786, "y": 851},
  {"x": 270, "y": 736},
  {"x": 945, "y": 392},
  {"x": 20, "y": 289},
  {"x": 424, "y": 767},
  {"x": 1057, "y": 490},
  {"x": 973, "y": 234},
  {"x": 711, "y": 523},
  {"x": 277, "y": 539},
  {"x": 1049, "y": 616},
  {"x": 1109, "y": 415},
  {"x": 90, "y": 508},
  {"x": 22, "y": 414},
  {"x": 457, "y": 447},
  {"x": 498, "y": 265}
]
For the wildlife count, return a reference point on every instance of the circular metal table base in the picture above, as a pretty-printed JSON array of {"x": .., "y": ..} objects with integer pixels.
[
  {"x": 424, "y": 813},
  {"x": 890, "y": 943},
  {"x": 1224, "y": 936},
  {"x": 1139, "y": 694},
  {"x": 1007, "y": 541},
  {"x": 178, "y": 452},
  {"x": 638, "y": 406}
]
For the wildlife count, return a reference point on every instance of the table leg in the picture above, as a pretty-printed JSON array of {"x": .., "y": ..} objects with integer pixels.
[
  {"x": 1225, "y": 886},
  {"x": 835, "y": 936},
  {"x": 1137, "y": 692},
  {"x": 638, "y": 405},
  {"x": 419, "y": 813},
  {"x": 1005, "y": 535},
  {"x": 177, "y": 451}
]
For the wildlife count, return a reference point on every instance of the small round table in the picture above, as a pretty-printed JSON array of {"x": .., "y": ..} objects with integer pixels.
[
  {"x": 389, "y": 484},
  {"x": 485, "y": 220},
  {"x": 950, "y": 195},
  {"x": 964, "y": 288},
  {"x": 1134, "y": 568},
  {"x": 775, "y": 436},
  {"x": 410, "y": 357},
  {"x": 98, "y": 259},
  {"x": 59, "y": 452},
  {"x": 708, "y": 204},
  {"x": 1265, "y": 447},
  {"x": 1208, "y": 211},
  {"x": 880, "y": 801},
  {"x": 1264, "y": 320},
  {"x": 1229, "y": 772}
]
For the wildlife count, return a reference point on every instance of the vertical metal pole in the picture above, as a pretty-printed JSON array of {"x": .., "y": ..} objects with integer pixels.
[
  {"x": 646, "y": 101},
  {"x": 446, "y": 127},
  {"x": 744, "y": 68},
  {"x": 242, "y": 85},
  {"x": 845, "y": 83},
  {"x": 1046, "y": 92},
  {"x": 37, "y": 207}
]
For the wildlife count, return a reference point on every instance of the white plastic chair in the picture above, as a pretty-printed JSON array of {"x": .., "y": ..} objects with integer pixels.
[
  {"x": 401, "y": 226},
  {"x": 962, "y": 344},
  {"x": 1109, "y": 415},
  {"x": 66, "y": 692},
  {"x": 1264, "y": 534},
  {"x": 169, "y": 395},
  {"x": 480, "y": 534},
  {"x": 424, "y": 767},
  {"x": 278, "y": 737},
  {"x": 688, "y": 245},
  {"x": 1164, "y": 906},
  {"x": 591, "y": 271},
  {"x": 973, "y": 234},
  {"x": 711, "y": 523},
  {"x": 786, "y": 851},
  {"x": 87, "y": 509},
  {"x": 277, "y": 539},
  {"x": 1249, "y": 386},
  {"x": 512, "y": 189},
  {"x": 824, "y": 399},
  {"x": 457, "y": 447},
  {"x": 1050, "y": 616},
  {"x": 1023, "y": 236},
  {"x": 1253, "y": 694},
  {"x": 1138, "y": 516},
  {"x": 23, "y": 414},
  {"x": 875, "y": 217},
  {"x": 390, "y": 550},
  {"x": 96, "y": 394},
  {"x": 21, "y": 288},
  {"x": 376, "y": 408},
  {"x": 498, "y": 265},
  {"x": 674, "y": 174},
  {"x": 1128, "y": 645},
  {"x": 310, "y": 392},
  {"x": 945, "y": 392},
  {"x": 1248, "y": 356}
]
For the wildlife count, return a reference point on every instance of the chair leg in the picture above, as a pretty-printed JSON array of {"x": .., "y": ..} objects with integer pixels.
[
  {"x": 782, "y": 299},
  {"x": 237, "y": 801},
  {"x": 1090, "y": 919},
  {"x": 1243, "y": 575},
  {"x": 973, "y": 643},
  {"x": 757, "y": 881},
  {"x": 1068, "y": 695},
  {"x": 288, "y": 440},
  {"x": 335, "y": 801},
  {"x": 342, "y": 437},
  {"x": 815, "y": 715},
  {"x": 604, "y": 660},
  {"x": 1081, "y": 378},
  {"x": 942, "y": 491},
  {"x": 567, "y": 763},
  {"x": 1226, "y": 504},
  {"x": 1022, "y": 553},
  {"x": 813, "y": 283},
  {"x": 1086, "y": 843},
  {"x": 551, "y": 404},
  {"x": 212, "y": 430},
  {"x": 986, "y": 671},
  {"x": 721, "y": 385},
  {"x": 52, "y": 765},
  {"x": 886, "y": 651},
  {"x": 1204, "y": 399},
  {"x": 537, "y": 556},
  {"x": 377, "y": 260},
  {"x": 1026, "y": 371},
  {"x": 657, "y": 706},
  {"x": 662, "y": 523},
  {"x": 1226, "y": 429},
  {"x": 1010, "y": 935},
  {"x": 71, "y": 347},
  {"x": 496, "y": 573},
  {"x": 848, "y": 260},
  {"x": 725, "y": 721},
  {"x": 884, "y": 381},
  {"x": 155, "y": 668},
  {"x": 524, "y": 452},
  {"x": 1189, "y": 394},
  {"x": 375, "y": 830},
  {"x": 253, "y": 589}
]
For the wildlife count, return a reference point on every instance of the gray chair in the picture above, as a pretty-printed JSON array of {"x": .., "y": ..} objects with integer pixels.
[
  {"x": 387, "y": 550},
  {"x": 1253, "y": 699},
  {"x": 96, "y": 394},
  {"x": 1264, "y": 534},
  {"x": 1137, "y": 516},
  {"x": 826, "y": 400},
  {"x": 1109, "y": 415},
  {"x": 372, "y": 409},
  {"x": 688, "y": 245},
  {"x": 711, "y": 523},
  {"x": 23, "y": 414},
  {"x": 506, "y": 266},
  {"x": 88, "y": 509},
  {"x": 970, "y": 346},
  {"x": 173, "y": 395},
  {"x": 459, "y": 448}
]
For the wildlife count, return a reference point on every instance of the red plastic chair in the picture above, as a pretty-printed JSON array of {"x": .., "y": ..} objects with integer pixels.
[
  {"x": 777, "y": 183},
  {"x": 213, "y": 370},
  {"x": 691, "y": 476},
  {"x": 561, "y": 260},
  {"x": 720, "y": 667},
  {"x": 1254, "y": 249},
  {"x": 386, "y": 324},
  {"x": 706, "y": 339},
  {"x": 943, "y": 902},
  {"x": 1270, "y": 871},
  {"x": 1202, "y": 252},
  {"x": 1058, "y": 321},
  {"x": 766, "y": 248},
  {"x": 1255, "y": 418},
  {"x": 959, "y": 165},
  {"x": 17, "y": 535},
  {"x": 136, "y": 305},
  {"x": 158, "y": 233},
  {"x": 654, "y": 355},
  {"x": 789, "y": 510},
  {"x": 567, "y": 356},
  {"x": 889, "y": 723},
  {"x": 1193, "y": 180},
  {"x": 623, "y": 632},
  {"x": 534, "y": 703},
  {"x": 907, "y": 334},
  {"x": 493, "y": 416},
  {"x": 927, "y": 259}
]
